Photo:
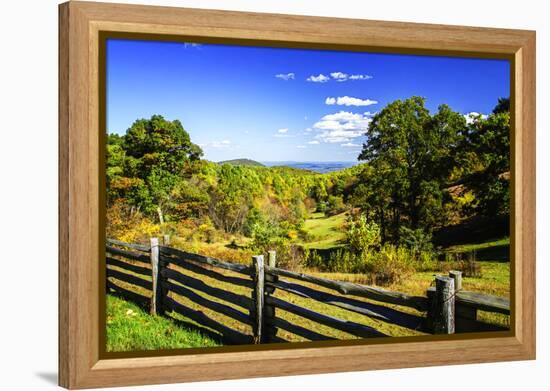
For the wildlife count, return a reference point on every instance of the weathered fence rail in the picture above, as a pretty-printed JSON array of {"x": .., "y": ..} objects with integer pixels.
[{"x": 157, "y": 275}]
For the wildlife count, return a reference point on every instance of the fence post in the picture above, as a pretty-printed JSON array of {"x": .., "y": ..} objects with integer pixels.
[
  {"x": 444, "y": 305},
  {"x": 270, "y": 330},
  {"x": 465, "y": 316},
  {"x": 156, "y": 297},
  {"x": 257, "y": 313},
  {"x": 457, "y": 276},
  {"x": 166, "y": 240}
]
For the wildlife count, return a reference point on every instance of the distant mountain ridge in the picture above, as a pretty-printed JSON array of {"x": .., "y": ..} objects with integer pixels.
[
  {"x": 317, "y": 167},
  {"x": 306, "y": 167},
  {"x": 242, "y": 162}
]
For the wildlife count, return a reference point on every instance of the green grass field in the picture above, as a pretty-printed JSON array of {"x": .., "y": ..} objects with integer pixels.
[
  {"x": 492, "y": 250},
  {"x": 129, "y": 328},
  {"x": 326, "y": 231}
]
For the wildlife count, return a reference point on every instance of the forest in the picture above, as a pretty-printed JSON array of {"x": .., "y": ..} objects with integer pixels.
[{"x": 426, "y": 183}]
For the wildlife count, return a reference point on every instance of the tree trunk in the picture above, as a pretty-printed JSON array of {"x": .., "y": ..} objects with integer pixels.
[
  {"x": 382, "y": 225},
  {"x": 161, "y": 216}
]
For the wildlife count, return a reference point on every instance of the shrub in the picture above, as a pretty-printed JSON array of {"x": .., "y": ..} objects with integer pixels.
[
  {"x": 466, "y": 263},
  {"x": 426, "y": 261},
  {"x": 321, "y": 206},
  {"x": 381, "y": 265},
  {"x": 207, "y": 232},
  {"x": 253, "y": 218},
  {"x": 345, "y": 261},
  {"x": 130, "y": 227},
  {"x": 292, "y": 234},
  {"x": 262, "y": 233},
  {"x": 417, "y": 240},
  {"x": 335, "y": 205},
  {"x": 313, "y": 259},
  {"x": 305, "y": 235},
  {"x": 390, "y": 265},
  {"x": 289, "y": 256},
  {"x": 362, "y": 235}
]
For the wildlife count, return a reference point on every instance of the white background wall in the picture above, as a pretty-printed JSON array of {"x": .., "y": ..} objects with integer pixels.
[{"x": 28, "y": 192}]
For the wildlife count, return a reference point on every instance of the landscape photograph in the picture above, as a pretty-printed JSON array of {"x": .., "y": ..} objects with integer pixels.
[{"x": 271, "y": 195}]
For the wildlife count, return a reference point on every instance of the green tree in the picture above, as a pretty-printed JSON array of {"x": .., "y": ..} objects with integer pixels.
[
  {"x": 489, "y": 140},
  {"x": 412, "y": 154},
  {"x": 362, "y": 234},
  {"x": 503, "y": 106},
  {"x": 154, "y": 152}
]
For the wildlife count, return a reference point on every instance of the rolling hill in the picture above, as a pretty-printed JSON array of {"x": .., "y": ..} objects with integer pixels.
[{"x": 242, "y": 162}]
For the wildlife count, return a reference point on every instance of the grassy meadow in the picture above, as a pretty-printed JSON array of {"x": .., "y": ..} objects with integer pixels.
[
  {"x": 326, "y": 231},
  {"x": 130, "y": 328}
]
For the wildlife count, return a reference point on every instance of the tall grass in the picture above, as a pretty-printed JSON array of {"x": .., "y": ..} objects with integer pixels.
[{"x": 384, "y": 265}]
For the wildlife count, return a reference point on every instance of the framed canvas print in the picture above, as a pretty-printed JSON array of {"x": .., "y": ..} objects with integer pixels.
[{"x": 247, "y": 195}]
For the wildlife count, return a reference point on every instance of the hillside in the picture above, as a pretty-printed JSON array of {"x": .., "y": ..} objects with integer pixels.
[{"x": 242, "y": 162}]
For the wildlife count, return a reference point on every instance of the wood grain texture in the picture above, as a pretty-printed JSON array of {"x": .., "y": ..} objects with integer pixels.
[
  {"x": 144, "y": 258},
  {"x": 172, "y": 255},
  {"x": 134, "y": 246},
  {"x": 156, "y": 297},
  {"x": 484, "y": 302},
  {"x": 81, "y": 361},
  {"x": 259, "y": 298},
  {"x": 64, "y": 277}
]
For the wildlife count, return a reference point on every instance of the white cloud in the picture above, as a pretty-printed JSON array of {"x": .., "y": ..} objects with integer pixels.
[
  {"x": 191, "y": 45},
  {"x": 350, "y": 145},
  {"x": 337, "y": 76},
  {"x": 473, "y": 117},
  {"x": 301, "y": 146},
  {"x": 342, "y": 127},
  {"x": 318, "y": 79},
  {"x": 308, "y": 130},
  {"x": 360, "y": 77},
  {"x": 282, "y": 133},
  {"x": 341, "y": 76},
  {"x": 217, "y": 144},
  {"x": 313, "y": 142},
  {"x": 285, "y": 76},
  {"x": 349, "y": 101}
]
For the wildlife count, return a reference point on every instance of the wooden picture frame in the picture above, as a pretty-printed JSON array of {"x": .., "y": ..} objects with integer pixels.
[{"x": 81, "y": 244}]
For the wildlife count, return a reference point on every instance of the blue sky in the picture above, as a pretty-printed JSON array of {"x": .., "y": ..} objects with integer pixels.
[{"x": 274, "y": 104}]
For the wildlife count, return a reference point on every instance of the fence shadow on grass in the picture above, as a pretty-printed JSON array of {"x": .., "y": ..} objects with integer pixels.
[{"x": 445, "y": 309}]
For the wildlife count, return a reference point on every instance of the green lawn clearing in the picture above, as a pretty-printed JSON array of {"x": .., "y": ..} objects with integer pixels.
[{"x": 326, "y": 231}]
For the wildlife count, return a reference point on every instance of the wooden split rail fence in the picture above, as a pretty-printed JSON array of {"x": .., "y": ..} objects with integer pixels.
[{"x": 160, "y": 271}]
